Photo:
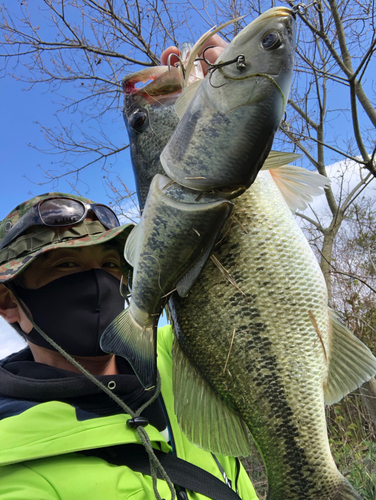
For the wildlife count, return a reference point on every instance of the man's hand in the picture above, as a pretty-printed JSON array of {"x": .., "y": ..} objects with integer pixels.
[{"x": 211, "y": 54}]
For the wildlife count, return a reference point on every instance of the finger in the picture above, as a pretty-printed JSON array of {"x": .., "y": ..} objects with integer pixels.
[
  {"x": 215, "y": 40},
  {"x": 166, "y": 53},
  {"x": 211, "y": 55}
]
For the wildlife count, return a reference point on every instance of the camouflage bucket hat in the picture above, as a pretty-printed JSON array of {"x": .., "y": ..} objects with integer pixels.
[{"x": 19, "y": 253}]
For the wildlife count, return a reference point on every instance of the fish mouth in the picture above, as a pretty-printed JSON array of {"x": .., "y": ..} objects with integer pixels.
[{"x": 159, "y": 81}]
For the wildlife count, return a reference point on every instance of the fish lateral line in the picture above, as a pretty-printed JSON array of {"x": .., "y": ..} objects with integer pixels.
[{"x": 317, "y": 330}]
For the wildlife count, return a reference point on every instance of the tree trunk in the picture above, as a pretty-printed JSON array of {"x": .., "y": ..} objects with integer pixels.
[
  {"x": 325, "y": 261},
  {"x": 368, "y": 392}
]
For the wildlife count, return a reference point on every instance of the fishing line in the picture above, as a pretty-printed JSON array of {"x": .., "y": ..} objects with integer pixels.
[
  {"x": 254, "y": 75},
  {"x": 124, "y": 295},
  {"x": 302, "y": 8},
  {"x": 155, "y": 464},
  {"x": 151, "y": 128}
]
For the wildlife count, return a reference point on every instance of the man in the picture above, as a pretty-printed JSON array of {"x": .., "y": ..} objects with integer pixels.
[{"x": 61, "y": 437}]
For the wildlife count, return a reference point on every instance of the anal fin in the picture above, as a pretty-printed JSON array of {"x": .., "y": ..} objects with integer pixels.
[
  {"x": 188, "y": 280},
  {"x": 203, "y": 417},
  {"x": 351, "y": 362}
]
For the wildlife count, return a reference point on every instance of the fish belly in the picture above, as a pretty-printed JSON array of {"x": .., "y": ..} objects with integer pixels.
[{"x": 256, "y": 345}]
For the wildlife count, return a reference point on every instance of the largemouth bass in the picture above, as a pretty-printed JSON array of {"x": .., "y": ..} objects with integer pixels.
[
  {"x": 262, "y": 353},
  {"x": 274, "y": 31},
  {"x": 228, "y": 123}
]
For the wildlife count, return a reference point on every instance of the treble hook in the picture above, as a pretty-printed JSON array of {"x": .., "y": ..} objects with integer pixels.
[
  {"x": 239, "y": 61},
  {"x": 180, "y": 61}
]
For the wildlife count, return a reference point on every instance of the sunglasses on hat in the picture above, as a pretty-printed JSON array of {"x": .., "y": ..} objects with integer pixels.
[{"x": 58, "y": 212}]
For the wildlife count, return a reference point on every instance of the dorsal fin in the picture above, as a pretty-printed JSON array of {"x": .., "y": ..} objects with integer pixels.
[
  {"x": 200, "y": 43},
  {"x": 185, "y": 98},
  {"x": 130, "y": 246},
  {"x": 297, "y": 185}
]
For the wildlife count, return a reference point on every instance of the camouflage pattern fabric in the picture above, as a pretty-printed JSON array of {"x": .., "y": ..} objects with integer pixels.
[{"x": 16, "y": 256}]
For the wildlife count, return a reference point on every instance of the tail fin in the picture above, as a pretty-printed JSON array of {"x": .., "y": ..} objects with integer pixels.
[
  {"x": 346, "y": 492},
  {"x": 341, "y": 490},
  {"x": 125, "y": 337}
]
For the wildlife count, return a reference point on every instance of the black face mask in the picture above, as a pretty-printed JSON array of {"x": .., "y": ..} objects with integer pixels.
[{"x": 74, "y": 310}]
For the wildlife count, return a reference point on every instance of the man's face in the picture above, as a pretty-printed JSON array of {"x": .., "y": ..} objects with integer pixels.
[{"x": 63, "y": 261}]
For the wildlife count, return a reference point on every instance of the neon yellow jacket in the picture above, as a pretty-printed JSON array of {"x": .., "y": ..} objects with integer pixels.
[{"x": 40, "y": 459}]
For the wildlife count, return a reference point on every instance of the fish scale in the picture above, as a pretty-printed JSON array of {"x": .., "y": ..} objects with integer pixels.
[{"x": 284, "y": 411}]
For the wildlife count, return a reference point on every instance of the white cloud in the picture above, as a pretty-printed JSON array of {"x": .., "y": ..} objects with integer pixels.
[
  {"x": 344, "y": 177},
  {"x": 10, "y": 341},
  {"x": 130, "y": 212}
]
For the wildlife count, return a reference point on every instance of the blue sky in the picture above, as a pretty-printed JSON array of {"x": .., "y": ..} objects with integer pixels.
[
  {"x": 20, "y": 162},
  {"x": 22, "y": 166}
]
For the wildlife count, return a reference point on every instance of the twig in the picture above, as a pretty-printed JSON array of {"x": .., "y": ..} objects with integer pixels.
[
  {"x": 226, "y": 273},
  {"x": 315, "y": 326},
  {"x": 229, "y": 351}
]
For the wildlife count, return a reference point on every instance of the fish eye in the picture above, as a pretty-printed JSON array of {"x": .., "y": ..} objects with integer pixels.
[
  {"x": 138, "y": 120},
  {"x": 272, "y": 40}
]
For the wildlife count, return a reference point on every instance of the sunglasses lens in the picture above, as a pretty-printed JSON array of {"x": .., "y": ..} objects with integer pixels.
[
  {"x": 106, "y": 216},
  {"x": 61, "y": 212}
]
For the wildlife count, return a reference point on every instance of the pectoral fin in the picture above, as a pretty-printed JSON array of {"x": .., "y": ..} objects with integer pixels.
[
  {"x": 126, "y": 338},
  {"x": 277, "y": 159},
  {"x": 131, "y": 246},
  {"x": 298, "y": 185},
  {"x": 351, "y": 363},
  {"x": 188, "y": 280},
  {"x": 203, "y": 417},
  {"x": 185, "y": 98}
]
